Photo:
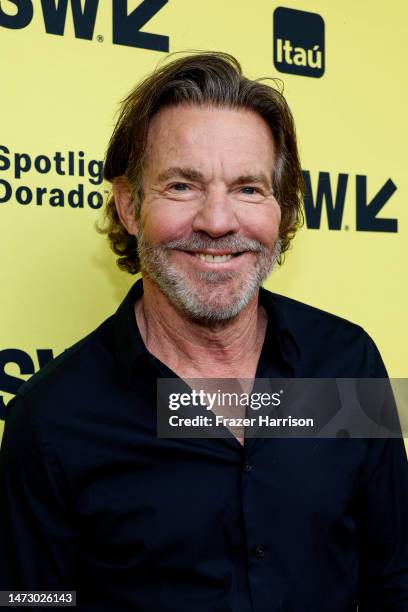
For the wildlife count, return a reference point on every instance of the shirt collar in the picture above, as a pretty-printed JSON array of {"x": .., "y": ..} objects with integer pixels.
[
  {"x": 128, "y": 342},
  {"x": 279, "y": 329},
  {"x": 129, "y": 345}
]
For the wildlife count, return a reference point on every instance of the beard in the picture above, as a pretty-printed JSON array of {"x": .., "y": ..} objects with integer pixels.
[{"x": 206, "y": 296}]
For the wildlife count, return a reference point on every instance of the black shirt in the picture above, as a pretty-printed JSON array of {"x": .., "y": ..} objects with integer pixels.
[{"x": 92, "y": 500}]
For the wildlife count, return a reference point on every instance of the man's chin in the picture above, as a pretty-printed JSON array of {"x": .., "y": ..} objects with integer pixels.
[
  {"x": 211, "y": 306},
  {"x": 207, "y": 314},
  {"x": 213, "y": 297}
]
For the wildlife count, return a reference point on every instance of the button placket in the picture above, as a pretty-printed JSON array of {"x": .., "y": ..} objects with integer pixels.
[{"x": 259, "y": 551}]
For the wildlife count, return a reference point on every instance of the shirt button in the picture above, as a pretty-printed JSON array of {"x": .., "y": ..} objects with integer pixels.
[
  {"x": 259, "y": 551},
  {"x": 248, "y": 467}
]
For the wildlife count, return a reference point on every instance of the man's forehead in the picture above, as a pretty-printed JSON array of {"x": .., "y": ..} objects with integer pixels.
[
  {"x": 197, "y": 143},
  {"x": 182, "y": 123}
]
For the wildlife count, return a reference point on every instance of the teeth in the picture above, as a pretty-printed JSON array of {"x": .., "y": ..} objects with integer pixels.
[{"x": 213, "y": 258}]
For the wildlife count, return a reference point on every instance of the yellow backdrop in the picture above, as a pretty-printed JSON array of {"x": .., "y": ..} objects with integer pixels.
[{"x": 61, "y": 85}]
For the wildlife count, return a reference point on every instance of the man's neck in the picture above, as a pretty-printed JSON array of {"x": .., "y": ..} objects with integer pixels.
[{"x": 227, "y": 349}]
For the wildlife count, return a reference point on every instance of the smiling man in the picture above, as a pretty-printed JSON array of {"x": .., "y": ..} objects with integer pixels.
[
  {"x": 206, "y": 198},
  {"x": 207, "y": 236},
  {"x": 212, "y": 218}
]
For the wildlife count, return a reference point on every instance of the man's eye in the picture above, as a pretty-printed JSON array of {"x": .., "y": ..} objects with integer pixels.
[
  {"x": 179, "y": 186},
  {"x": 249, "y": 190}
]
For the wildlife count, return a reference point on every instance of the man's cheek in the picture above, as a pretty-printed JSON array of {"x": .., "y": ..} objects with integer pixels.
[
  {"x": 165, "y": 224},
  {"x": 263, "y": 231}
]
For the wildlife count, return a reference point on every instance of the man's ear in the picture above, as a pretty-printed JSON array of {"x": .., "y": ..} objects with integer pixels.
[{"x": 125, "y": 203}]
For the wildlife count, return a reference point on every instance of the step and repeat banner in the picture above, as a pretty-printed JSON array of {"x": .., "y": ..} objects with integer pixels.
[{"x": 65, "y": 66}]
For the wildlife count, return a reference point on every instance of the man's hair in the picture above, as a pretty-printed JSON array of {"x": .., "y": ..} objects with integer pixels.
[{"x": 201, "y": 79}]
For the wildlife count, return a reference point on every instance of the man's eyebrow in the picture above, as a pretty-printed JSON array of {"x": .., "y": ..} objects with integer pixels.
[
  {"x": 260, "y": 178},
  {"x": 189, "y": 174},
  {"x": 192, "y": 174}
]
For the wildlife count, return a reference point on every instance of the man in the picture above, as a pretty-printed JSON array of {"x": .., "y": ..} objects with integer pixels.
[{"x": 206, "y": 198}]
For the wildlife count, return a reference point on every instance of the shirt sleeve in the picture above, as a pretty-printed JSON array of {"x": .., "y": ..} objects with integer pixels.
[
  {"x": 383, "y": 519},
  {"x": 38, "y": 543}
]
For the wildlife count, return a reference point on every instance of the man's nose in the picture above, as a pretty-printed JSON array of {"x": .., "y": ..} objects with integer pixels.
[{"x": 216, "y": 215}]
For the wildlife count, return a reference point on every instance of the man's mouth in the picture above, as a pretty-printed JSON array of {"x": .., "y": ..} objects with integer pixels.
[{"x": 215, "y": 258}]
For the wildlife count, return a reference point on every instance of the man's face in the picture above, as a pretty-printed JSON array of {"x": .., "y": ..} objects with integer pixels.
[{"x": 208, "y": 227}]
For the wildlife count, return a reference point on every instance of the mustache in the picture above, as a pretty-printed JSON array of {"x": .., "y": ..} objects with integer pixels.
[{"x": 200, "y": 241}]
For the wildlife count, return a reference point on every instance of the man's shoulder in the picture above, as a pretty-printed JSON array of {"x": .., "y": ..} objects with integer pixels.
[
  {"x": 329, "y": 344},
  {"x": 299, "y": 314},
  {"x": 69, "y": 371}
]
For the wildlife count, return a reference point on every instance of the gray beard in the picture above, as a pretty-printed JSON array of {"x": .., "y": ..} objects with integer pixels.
[{"x": 203, "y": 304}]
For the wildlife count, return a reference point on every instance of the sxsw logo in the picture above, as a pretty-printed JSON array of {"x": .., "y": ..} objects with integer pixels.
[
  {"x": 126, "y": 25},
  {"x": 298, "y": 42},
  {"x": 27, "y": 366},
  {"x": 331, "y": 193}
]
